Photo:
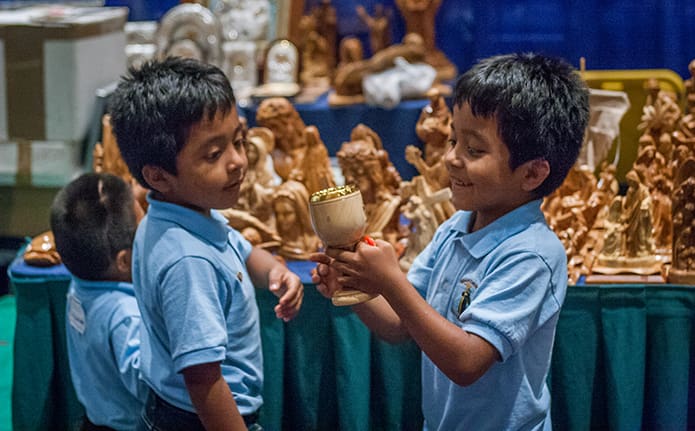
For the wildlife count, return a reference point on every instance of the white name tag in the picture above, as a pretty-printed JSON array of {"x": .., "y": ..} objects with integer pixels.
[{"x": 76, "y": 314}]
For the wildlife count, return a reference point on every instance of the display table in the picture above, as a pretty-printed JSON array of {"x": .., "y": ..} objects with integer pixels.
[
  {"x": 623, "y": 358},
  {"x": 323, "y": 370},
  {"x": 42, "y": 394},
  {"x": 622, "y": 361},
  {"x": 396, "y": 126}
]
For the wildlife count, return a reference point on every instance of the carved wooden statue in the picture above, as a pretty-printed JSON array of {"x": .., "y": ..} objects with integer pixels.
[
  {"x": 659, "y": 119},
  {"x": 348, "y": 78},
  {"x": 41, "y": 251},
  {"x": 636, "y": 252},
  {"x": 326, "y": 20},
  {"x": 426, "y": 210},
  {"x": 682, "y": 269},
  {"x": 316, "y": 56},
  {"x": 662, "y": 219},
  {"x": 350, "y": 51},
  {"x": 649, "y": 163},
  {"x": 291, "y": 208},
  {"x": 299, "y": 152},
  {"x": 689, "y": 85},
  {"x": 106, "y": 157},
  {"x": 433, "y": 128},
  {"x": 419, "y": 16},
  {"x": 367, "y": 167},
  {"x": 379, "y": 26},
  {"x": 259, "y": 184}
]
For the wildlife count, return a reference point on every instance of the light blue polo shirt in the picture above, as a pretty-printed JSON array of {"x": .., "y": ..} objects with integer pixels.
[
  {"x": 103, "y": 336},
  {"x": 515, "y": 271},
  {"x": 197, "y": 302}
]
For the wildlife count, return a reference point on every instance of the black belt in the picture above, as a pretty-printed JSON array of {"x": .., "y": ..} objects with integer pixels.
[
  {"x": 192, "y": 419},
  {"x": 88, "y": 425}
]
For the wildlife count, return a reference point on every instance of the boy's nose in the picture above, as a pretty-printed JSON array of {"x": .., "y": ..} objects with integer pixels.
[
  {"x": 450, "y": 158},
  {"x": 236, "y": 159}
]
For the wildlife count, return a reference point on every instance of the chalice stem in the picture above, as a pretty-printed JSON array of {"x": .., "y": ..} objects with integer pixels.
[{"x": 346, "y": 296}]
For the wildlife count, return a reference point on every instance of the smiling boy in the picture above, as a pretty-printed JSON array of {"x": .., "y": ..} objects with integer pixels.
[{"x": 482, "y": 300}]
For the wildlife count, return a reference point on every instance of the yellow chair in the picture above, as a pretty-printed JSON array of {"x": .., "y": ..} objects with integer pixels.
[{"x": 632, "y": 82}]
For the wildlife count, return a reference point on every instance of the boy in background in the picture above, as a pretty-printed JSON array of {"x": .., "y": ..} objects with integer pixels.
[
  {"x": 93, "y": 221},
  {"x": 482, "y": 300},
  {"x": 178, "y": 130}
]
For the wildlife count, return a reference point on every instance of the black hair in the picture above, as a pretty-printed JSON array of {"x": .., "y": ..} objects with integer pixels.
[
  {"x": 541, "y": 106},
  {"x": 154, "y": 106},
  {"x": 92, "y": 219}
]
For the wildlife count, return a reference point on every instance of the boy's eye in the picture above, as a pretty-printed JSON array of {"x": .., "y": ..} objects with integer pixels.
[
  {"x": 472, "y": 151},
  {"x": 241, "y": 143},
  {"x": 214, "y": 155},
  {"x": 452, "y": 142}
]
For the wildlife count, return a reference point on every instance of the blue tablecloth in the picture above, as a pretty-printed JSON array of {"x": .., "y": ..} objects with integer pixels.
[{"x": 396, "y": 126}]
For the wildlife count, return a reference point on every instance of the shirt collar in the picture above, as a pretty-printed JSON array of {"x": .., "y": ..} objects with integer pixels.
[
  {"x": 123, "y": 286},
  {"x": 213, "y": 229},
  {"x": 481, "y": 242}
]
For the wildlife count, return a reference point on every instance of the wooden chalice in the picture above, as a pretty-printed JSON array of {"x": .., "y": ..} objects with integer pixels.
[{"x": 338, "y": 218}]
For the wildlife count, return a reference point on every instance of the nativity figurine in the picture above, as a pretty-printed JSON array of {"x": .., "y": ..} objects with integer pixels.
[
  {"x": 299, "y": 152},
  {"x": 634, "y": 251},
  {"x": 419, "y": 17},
  {"x": 379, "y": 26},
  {"x": 291, "y": 208},
  {"x": 367, "y": 167},
  {"x": 682, "y": 270},
  {"x": 348, "y": 78}
]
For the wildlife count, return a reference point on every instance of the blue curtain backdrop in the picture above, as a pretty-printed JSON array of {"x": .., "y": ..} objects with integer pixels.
[{"x": 610, "y": 34}]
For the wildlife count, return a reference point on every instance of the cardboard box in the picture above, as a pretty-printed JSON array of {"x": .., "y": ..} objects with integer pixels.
[{"x": 53, "y": 59}]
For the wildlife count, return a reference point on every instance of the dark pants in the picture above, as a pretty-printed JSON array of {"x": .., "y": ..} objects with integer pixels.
[
  {"x": 159, "y": 415},
  {"x": 87, "y": 425}
]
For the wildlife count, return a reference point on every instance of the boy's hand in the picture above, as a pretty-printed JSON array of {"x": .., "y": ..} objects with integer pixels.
[
  {"x": 287, "y": 286},
  {"x": 324, "y": 276},
  {"x": 370, "y": 268}
]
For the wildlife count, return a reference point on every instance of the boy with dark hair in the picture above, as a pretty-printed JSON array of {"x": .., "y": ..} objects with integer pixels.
[
  {"x": 482, "y": 300},
  {"x": 178, "y": 130},
  {"x": 93, "y": 221}
]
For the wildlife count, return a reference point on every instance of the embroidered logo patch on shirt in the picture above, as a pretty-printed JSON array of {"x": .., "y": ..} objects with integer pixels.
[{"x": 467, "y": 286}]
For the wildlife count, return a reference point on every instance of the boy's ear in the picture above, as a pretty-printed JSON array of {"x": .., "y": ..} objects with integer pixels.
[
  {"x": 535, "y": 172},
  {"x": 156, "y": 177},
  {"x": 123, "y": 262}
]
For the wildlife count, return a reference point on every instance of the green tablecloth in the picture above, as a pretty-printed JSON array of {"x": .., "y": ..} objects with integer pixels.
[
  {"x": 323, "y": 370},
  {"x": 42, "y": 394},
  {"x": 622, "y": 361},
  {"x": 623, "y": 357}
]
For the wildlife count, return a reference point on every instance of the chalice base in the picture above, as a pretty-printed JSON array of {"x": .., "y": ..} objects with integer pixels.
[{"x": 345, "y": 297}]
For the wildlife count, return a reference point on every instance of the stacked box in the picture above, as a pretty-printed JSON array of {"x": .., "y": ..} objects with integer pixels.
[{"x": 52, "y": 61}]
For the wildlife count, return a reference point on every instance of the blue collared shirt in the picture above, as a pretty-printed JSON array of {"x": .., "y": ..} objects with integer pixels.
[
  {"x": 197, "y": 302},
  {"x": 103, "y": 337},
  {"x": 505, "y": 283}
]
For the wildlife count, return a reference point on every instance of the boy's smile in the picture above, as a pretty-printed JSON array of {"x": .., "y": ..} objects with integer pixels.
[
  {"x": 210, "y": 167},
  {"x": 478, "y": 164}
]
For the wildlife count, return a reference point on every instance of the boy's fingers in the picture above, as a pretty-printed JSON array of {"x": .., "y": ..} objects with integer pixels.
[{"x": 320, "y": 258}]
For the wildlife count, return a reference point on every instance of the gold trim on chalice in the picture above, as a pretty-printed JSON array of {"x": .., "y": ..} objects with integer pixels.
[{"x": 333, "y": 192}]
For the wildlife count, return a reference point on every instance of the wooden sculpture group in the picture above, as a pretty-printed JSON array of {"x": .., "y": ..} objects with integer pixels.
[
  {"x": 273, "y": 209},
  {"x": 647, "y": 233}
]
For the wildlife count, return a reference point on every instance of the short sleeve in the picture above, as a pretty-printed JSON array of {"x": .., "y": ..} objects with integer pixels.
[
  {"x": 240, "y": 244},
  {"x": 516, "y": 297},
  {"x": 192, "y": 298}
]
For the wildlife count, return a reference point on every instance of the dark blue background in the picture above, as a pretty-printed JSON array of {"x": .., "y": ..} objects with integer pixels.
[{"x": 610, "y": 34}]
